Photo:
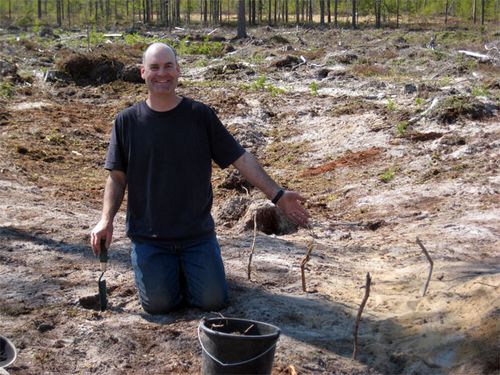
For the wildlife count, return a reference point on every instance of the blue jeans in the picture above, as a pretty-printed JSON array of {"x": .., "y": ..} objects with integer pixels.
[{"x": 166, "y": 277}]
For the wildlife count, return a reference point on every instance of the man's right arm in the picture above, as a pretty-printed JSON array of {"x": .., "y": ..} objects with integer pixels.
[{"x": 113, "y": 197}]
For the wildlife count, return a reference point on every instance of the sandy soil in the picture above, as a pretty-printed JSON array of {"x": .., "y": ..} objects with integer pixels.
[{"x": 373, "y": 188}]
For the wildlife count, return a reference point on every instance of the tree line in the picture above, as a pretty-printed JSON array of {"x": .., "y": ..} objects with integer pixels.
[{"x": 109, "y": 14}]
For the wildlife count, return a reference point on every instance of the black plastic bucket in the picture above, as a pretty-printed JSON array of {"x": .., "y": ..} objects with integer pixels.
[
  {"x": 8, "y": 352},
  {"x": 237, "y": 346}
]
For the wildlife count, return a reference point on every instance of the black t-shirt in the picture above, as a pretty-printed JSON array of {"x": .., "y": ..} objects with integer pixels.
[{"x": 167, "y": 157}]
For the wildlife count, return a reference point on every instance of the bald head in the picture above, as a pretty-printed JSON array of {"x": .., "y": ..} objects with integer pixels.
[{"x": 157, "y": 48}]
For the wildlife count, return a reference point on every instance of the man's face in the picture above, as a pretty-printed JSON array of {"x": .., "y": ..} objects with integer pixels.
[{"x": 160, "y": 71}]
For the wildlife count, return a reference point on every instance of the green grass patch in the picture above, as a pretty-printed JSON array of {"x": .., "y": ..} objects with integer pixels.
[
  {"x": 401, "y": 128},
  {"x": 388, "y": 175},
  {"x": 313, "y": 88},
  {"x": 260, "y": 85},
  {"x": 133, "y": 39},
  {"x": 480, "y": 91},
  {"x": 206, "y": 48},
  {"x": 419, "y": 101},
  {"x": 390, "y": 105},
  {"x": 7, "y": 90}
]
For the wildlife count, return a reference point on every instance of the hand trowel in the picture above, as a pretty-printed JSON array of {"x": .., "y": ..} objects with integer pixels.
[{"x": 103, "y": 260}]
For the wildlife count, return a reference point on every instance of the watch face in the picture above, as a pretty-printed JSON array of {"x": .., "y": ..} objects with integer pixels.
[{"x": 7, "y": 352}]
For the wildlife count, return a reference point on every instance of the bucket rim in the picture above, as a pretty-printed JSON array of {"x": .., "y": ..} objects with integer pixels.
[
  {"x": 242, "y": 337},
  {"x": 9, "y": 344}
]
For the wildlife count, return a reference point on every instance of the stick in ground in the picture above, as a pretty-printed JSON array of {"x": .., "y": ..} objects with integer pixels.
[{"x": 360, "y": 311}]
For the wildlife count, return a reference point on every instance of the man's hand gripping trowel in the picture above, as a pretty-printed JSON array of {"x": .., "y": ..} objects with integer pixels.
[{"x": 103, "y": 260}]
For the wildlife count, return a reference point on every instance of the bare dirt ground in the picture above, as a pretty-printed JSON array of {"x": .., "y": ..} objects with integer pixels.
[{"x": 388, "y": 139}]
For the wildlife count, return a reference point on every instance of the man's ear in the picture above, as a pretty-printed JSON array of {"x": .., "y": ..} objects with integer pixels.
[{"x": 142, "y": 71}]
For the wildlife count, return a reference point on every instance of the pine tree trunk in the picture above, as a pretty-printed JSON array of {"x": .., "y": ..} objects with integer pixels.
[
  {"x": 322, "y": 12},
  {"x": 335, "y": 13},
  {"x": 446, "y": 13},
  {"x": 269, "y": 12},
  {"x": 133, "y": 14},
  {"x": 39, "y": 7},
  {"x": 205, "y": 12},
  {"x": 68, "y": 13},
  {"x": 297, "y": 13},
  {"x": 108, "y": 12},
  {"x": 378, "y": 11},
  {"x": 329, "y": 11},
  {"x": 254, "y": 12},
  {"x": 397, "y": 14},
  {"x": 482, "y": 12},
  {"x": 241, "y": 33},
  {"x": 58, "y": 13},
  {"x": 354, "y": 10},
  {"x": 96, "y": 13},
  {"x": 177, "y": 12}
]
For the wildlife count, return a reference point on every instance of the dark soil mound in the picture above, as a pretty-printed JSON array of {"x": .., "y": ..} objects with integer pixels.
[
  {"x": 93, "y": 69},
  {"x": 456, "y": 107}
]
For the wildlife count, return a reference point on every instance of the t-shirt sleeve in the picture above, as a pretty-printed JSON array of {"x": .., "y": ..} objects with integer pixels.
[
  {"x": 224, "y": 147},
  {"x": 115, "y": 159}
]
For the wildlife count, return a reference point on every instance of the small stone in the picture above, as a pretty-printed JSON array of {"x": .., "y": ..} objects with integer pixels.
[
  {"x": 410, "y": 88},
  {"x": 323, "y": 73},
  {"x": 45, "y": 327}
]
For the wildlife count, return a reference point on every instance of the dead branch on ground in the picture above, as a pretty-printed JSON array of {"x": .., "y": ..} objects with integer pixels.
[
  {"x": 431, "y": 265},
  {"x": 249, "y": 270},
  {"x": 360, "y": 311},
  {"x": 434, "y": 103},
  {"x": 480, "y": 56},
  {"x": 481, "y": 283}
]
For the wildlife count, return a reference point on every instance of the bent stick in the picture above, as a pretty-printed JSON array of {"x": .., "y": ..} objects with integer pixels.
[
  {"x": 431, "y": 265},
  {"x": 360, "y": 311},
  {"x": 249, "y": 271},
  {"x": 303, "y": 265}
]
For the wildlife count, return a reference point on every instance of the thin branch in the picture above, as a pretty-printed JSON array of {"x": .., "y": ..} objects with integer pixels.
[
  {"x": 248, "y": 329},
  {"x": 310, "y": 247},
  {"x": 246, "y": 190},
  {"x": 249, "y": 270},
  {"x": 431, "y": 265},
  {"x": 360, "y": 311},
  {"x": 434, "y": 103},
  {"x": 481, "y": 283}
]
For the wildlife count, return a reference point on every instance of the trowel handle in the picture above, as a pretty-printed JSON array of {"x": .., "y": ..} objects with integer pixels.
[{"x": 103, "y": 253}]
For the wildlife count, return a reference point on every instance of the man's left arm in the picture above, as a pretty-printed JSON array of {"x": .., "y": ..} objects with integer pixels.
[{"x": 288, "y": 201}]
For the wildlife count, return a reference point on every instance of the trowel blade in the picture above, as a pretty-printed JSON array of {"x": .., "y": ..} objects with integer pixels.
[{"x": 103, "y": 297}]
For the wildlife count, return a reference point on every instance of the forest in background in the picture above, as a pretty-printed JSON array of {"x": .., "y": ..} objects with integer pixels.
[{"x": 114, "y": 14}]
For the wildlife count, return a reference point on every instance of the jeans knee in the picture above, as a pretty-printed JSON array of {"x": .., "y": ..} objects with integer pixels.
[
  {"x": 214, "y": 301},
  {"x": 158, "y": 307}
]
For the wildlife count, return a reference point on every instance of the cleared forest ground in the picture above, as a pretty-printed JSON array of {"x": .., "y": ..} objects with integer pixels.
[{"x": 388, "y": 139}]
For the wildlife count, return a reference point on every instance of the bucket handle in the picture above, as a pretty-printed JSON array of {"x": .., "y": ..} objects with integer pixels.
[{"x": 236, "y": 363}]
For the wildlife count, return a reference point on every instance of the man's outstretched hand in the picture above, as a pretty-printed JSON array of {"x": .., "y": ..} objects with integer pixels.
[{"x": 291, "y": 204}]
